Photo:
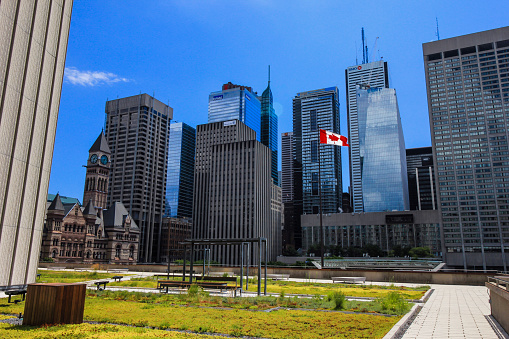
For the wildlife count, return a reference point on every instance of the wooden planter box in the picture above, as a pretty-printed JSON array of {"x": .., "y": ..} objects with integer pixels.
[{"x": 54, "y": 304}]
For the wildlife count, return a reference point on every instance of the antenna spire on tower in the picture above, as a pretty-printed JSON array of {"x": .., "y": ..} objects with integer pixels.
[
  {"x": 363, "y": 47},
  {"x": 437, "y": 33},
  {"x": 269, "y": 74}
]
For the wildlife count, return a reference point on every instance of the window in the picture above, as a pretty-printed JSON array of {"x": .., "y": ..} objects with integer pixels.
[
  {"x": 314, "y": 150},
  {"x": 117, "y": 251},
  {"x": 314, "y": 123}
]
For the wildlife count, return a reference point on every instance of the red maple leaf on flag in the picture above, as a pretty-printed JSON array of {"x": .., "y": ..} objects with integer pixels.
[{"x": 333, "y": 137}]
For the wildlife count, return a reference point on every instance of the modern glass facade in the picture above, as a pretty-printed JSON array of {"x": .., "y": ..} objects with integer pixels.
[
  {"x": 467, "y": 79},
  {"x": 236, "y": 103},
  {"x": 315, "y": 110},
  {"x": 373, "y": 74},
  {"x": 269, "y": 133},
  {"x": 421, "y": 179},
  {"x": 382, "y": 151},
  {"x": 179, "y": 184}
]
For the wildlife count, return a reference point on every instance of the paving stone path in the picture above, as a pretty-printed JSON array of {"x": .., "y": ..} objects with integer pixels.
[{"x": 456, "y": 312}]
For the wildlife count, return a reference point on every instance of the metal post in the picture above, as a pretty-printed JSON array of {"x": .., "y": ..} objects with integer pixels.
[
  {"x": 184, "y": 264},
  {"x": 322, "y": 245},
  {"x": 191, "y": 264},
  {"x": 259, "y": 266},
  {"x": 265, "y": 254},
  {"x": 247, "y": 266},
  {"x": 203, "y": 270},
  {"x": 168, "y": 275},
  {"x": 241, "y": 266},
  {"x": 208, "y": 261}
]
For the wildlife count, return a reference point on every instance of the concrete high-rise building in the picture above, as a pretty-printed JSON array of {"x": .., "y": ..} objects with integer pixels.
[
  {"x": 236, "y": 102},
  {"x": 269, "y": 133},
  {"x": 98, "y": 173},
  {"x": 287, "y": 160},
  {"x": 179, "y": 185},
  {"x": 382, "y": 151},
  {"x": 421, "y": 179},
  {"x": 467, "y": 80},
  {"x": 137, "y": 131},
  {"x": 232, "y": 189},
  {"x": 312, "y": 111},
  {"x": 373, "y": 74},
  {"x": 32, "y": 57}
]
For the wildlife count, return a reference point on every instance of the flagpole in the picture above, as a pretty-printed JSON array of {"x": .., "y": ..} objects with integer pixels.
[{"x": 320, "y": 195}]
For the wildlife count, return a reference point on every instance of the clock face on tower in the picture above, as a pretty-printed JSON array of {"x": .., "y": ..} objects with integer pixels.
[
  {"x": 104, "y": 160},
  {"x": 93, "y": 158}
]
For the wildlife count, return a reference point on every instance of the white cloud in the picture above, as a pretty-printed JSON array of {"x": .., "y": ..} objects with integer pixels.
[{"x": 90, "y": 78}]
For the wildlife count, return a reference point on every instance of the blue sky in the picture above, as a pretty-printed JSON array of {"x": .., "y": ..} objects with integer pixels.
[{"x": 182, "y": 50}]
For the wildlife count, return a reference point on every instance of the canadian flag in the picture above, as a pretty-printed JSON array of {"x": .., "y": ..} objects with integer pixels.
[{"x": 330, "y": 138}]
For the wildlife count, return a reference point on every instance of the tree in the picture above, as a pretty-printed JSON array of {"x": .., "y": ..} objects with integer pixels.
[{"x": 420, "y": 252}]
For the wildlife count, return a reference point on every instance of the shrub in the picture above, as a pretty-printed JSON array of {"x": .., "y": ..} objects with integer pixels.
[
  {"x": 394, "y": 302},
  {"x": 338, "y": 300},
  {"x": 47, "y": 259}
]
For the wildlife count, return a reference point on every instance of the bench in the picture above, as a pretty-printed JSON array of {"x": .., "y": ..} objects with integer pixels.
[
  {"x": 16, "y": 292},
  {"x": 118, "y": 270},
  {"x": 278, "y": 276},
  {"x": 56, "y": 268},
  {"x": 161, "y": 285},
  {"x": 80, "y": 269},
  {"x": 352, "y": 280},
  {"x": 38, "y": 275},
  {"x": 99, "y": 283},
  {"x": 221, "y": 274},
  {"x": 117, "y": 277},
  {"x": 233, "y": 288},
  {"x": 182, "y": 271}
]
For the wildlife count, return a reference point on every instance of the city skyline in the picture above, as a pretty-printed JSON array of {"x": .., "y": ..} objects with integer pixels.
[{"x": 203, "y": 55}]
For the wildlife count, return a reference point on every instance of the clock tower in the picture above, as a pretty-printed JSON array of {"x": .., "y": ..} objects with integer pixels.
[{"x": 98, "y": 173}]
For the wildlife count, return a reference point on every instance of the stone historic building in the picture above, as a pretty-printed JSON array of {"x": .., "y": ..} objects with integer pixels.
[{"x": 90, "y": 234}]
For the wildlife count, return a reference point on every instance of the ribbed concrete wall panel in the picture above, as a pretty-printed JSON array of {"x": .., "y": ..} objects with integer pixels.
[{"x": 33, "y": 43}]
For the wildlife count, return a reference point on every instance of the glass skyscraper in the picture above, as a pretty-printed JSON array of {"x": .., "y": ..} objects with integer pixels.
[
  {"x": 269, "y": 135},
  {"x": 374, "y": 74},
  {"x": 236, "y": 102},
  {"x": 382, "y": 151},
  {"x": 179, "y": 184},
  {"x": 312, "y": 111}
]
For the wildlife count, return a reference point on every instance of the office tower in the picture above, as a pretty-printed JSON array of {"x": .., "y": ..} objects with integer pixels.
[
  {"x": 467, "y": 80},
  {"x": 137, "y": 131},
  {"x": 312, "y": 111},
  {"x": 421, "y": 179},
  {"x": 236, "y": 102},
  {"x": 32, "y": 57},
  {"x": 98, "y": 172},
  {"x": 382, "y": 151},
  {"x": 291, "y": 230},
  {"x": 179, "y": 186},
  {"x": 232, "y": 190},
  {"x": 373, "y": 74},
  {"x": 287, "y": 160},
  {"x": 269, "y": 128}
]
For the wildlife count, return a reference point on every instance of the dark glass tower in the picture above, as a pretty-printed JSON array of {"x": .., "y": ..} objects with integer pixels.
[{"x": 269, "y": 128}]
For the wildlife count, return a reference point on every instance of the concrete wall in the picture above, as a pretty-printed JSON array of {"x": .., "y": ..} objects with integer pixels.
[
  {"x": 416, "y": 277},
  {"x": 499, "y": 300}
]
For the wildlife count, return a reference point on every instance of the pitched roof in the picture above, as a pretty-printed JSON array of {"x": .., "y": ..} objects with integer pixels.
[
  {"x": 56, "y": 204},
  {"x": 65, "y": 200},
  {"x": 114, "y": 216},
  {"x": 100, "y": 145},
  {"x": 89, "y": 210}
]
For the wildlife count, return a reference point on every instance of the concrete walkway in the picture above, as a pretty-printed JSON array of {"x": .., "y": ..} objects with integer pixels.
[{"x": 455, "y": 311}]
